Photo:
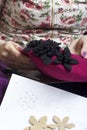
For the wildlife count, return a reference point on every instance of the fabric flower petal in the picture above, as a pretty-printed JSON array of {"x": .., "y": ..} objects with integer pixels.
[
  {"x": 42, "y": 121},
  {"x": 52, "y": 126},
  {"x": 46, "y": 59},
  {"x": 57, "y": 61},
  {"x": 69, "y": 126},
  {"x": 48, "y": 129},
  {"x": 66, "y": 52},
  {"x": 27, "y": 128},
  {"x": 65, "y": 120},
  {"x": 67, "y": 66},
  {"x": 35, "y": 128},
  {"x": 62, "y": 128},
  {"x": 73, "y": 61},
  {"x": 32, "y": 120},
  {"x": 56, "y": 119}
]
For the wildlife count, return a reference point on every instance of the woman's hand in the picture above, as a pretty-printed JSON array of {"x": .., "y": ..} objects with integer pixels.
[
  {"x": 79, "y": 46},
  {"x": 11, "y": 56}
]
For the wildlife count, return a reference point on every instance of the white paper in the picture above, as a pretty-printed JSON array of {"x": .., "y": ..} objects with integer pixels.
[{"x": 25, "y": 97}]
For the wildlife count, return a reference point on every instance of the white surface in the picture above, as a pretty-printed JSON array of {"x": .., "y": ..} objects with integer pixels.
[{"x": 25, "y": 97}]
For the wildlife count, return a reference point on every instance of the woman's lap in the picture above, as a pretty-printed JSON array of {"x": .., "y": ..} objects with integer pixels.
[{"x": 3, "y": 85}]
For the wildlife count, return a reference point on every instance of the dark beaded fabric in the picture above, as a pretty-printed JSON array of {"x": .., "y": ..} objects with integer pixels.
[{"x": 46, "y": 49}]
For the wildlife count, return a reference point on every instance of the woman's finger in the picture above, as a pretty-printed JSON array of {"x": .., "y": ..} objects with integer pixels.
[
  {"x": 84, "y": 50},
  {"x": 13, "y": 58},
  {"x": 16, "y": 65},
  {"x": 73, "y": 48},
  {"x": 82, "y": 46},
  {"x": 14, "y": 53},
  {"x": 11, "y": 48}
]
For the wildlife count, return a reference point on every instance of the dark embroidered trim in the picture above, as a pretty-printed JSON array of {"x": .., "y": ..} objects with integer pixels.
[{"x": 47, "y": 49}]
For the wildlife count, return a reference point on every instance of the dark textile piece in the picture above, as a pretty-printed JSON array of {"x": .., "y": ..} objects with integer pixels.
[{"x": 47, "y": 49}]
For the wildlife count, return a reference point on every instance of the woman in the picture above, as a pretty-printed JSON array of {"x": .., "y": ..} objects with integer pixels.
[{"x": 24, "y": 20}]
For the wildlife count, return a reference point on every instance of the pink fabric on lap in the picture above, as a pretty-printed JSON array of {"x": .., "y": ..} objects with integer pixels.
[{"x": 77, "y": 74}]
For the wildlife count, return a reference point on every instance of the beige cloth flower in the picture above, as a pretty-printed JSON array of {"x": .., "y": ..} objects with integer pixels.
[
  {"x": 62, "y": 125},
  {"x": 41, "y": 124}
]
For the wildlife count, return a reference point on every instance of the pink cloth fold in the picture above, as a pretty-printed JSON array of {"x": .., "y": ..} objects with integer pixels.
[{"x": 77, "y": 74}]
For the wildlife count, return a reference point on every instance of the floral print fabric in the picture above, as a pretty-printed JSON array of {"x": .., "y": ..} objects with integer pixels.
[
  {"x": 2, "y": 3},
  {"x": 60, "y": 20}
]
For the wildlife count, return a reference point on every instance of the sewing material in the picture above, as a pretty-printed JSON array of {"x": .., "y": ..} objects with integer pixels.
[{"x": 41, "y": 124}]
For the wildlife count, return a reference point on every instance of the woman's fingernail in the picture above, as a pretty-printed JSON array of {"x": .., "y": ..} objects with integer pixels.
[
  {"x": 20, "y": 48},
  {"x": 84, "y": 54}
]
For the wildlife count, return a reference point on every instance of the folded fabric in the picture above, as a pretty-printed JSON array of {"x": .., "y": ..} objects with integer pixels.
[
  {"x": 57, "y": 63},
  {"x": 3, "y": 81}
]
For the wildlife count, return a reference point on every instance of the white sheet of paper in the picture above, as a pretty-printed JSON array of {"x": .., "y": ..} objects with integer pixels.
[{"x": 25, "y": 97}]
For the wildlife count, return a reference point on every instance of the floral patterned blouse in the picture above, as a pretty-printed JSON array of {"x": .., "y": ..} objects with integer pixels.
[{"x": 60, "y": 20}]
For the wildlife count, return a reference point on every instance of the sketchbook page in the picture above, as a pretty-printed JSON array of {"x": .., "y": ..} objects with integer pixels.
[{"x": 25, "y": 97}]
